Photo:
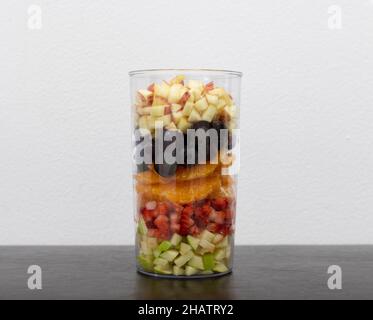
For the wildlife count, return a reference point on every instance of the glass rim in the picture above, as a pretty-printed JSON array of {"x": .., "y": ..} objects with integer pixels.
[{"x": 211, "y": 71}]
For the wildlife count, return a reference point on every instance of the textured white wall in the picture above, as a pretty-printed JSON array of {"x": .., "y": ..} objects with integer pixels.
[{"x": 307, "y": 110}]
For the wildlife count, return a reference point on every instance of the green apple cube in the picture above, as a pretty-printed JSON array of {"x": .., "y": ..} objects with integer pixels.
[
  {"x": 178, "y": 271},
  {"x": 217, "y": 238},
  {"x": 161, "y": 262},
  {"x": 158, "y": 269},
  {"x": 196, "y": 262},
  {"x": 145, "y": 248},
  {"x": 145, "y": 262},
  {"x": 194, "y": 242},
  {"x": 207, "y": 245},
  {"x": 207, "y": 235},
  {"x": 228, "y": 252},
  {"x": 220, "y": 267},
  {"x": 223, "y": 243},
  {"x": 182, "y": 260},
  {"x": 185, "y": 248},
  {"x": 156, "y": 253},
  {"x": 164, "y": 246},
  {"x": 152, "y": 242},
  {"x": 208, "y": 261},
  {"x": 219, "y": 254},
  {"x": 176, "y": 239},
  {"x": 141, "y": 227},
  {"x": 169, "y": 255},
  {"x": 190, "y": 271}
]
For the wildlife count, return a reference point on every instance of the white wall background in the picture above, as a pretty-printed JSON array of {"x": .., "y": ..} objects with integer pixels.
[{"x": 307, "y": 110}]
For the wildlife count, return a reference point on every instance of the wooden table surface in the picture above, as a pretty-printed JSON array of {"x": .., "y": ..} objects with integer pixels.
[{"x": 260, "y": 272}]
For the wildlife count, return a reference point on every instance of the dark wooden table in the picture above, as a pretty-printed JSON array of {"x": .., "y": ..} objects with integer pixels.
[{"x": 260, "y": 272}]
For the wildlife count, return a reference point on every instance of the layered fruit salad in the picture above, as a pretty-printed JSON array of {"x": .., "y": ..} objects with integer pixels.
[{"x": 186, "y": 201}]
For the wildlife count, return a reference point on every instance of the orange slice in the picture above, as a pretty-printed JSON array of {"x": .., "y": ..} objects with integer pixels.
[
  {"x": 181, "y": 192},
  {"x": 182, "y": 174}
]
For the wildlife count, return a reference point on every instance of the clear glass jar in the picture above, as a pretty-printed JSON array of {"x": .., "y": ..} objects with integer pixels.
[{"x": 185, "y": 144}]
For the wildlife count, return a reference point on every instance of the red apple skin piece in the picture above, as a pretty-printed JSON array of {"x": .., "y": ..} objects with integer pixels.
[{"x": 184, "y": 98}]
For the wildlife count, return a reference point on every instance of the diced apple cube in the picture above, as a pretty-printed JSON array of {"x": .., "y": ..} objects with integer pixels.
[
  {"x": 177, "y": 116},
  {"x": 207, "y": 245},
  {"x": 217, "y": 238},
  {"x": 190, "y": 271},
  {"x": 176, "y": 107},
  {"x": 201, "y": 105},
  {"x": 145, "y": 94},
  {"x": 194, "y": 116},
  {"x": 163, "y": 121},
  {"x": 218, "y": 92},
  {"x": 195, "y": 84},
  {"x": 194, "y": 242},
  {"x": 196, "y": 262},
  {"x": 220, "y": 267},
  {"x": 162, "y": 90},
  {"x": 183, "y": 125},
  {"x": 144, "y": 110},
  {"x": 176, "y": 239},
  {"x": 207, "y": 235},
  {"x": 161, "y": 262},
  {"x": 188, "y": 107},
  {"x": 157, "y": 111},
  {"x": 223, "y": 243},
  {"x": 185, "y": 248},
  {"x": 182, "y": 260},
  {"x": 169, "y": 255},
  {"x": 161, "y": 270},
  {"x": 209, "y": 114},
  {"x": 219, "y": 254},
  {"x": 221, "y": 104},
  {"x": 178, "y": 271},
  {"x": 175, "y": 93},
  {"x": 145, "y": 249},
  {"x": 152, "y": 242},
  {"x": 211, "y": 99}
]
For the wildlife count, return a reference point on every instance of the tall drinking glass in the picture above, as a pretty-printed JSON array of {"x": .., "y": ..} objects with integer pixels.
[{"x": 185, "y": 147}]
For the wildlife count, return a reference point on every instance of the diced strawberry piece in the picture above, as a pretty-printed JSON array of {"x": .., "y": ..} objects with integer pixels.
[
  {"x": 194, "y": 230},
  {"x": 220, "y": 217},
  {"x": 162, "y": 208},
  {"x": 229, "y": 216},
  {"x": 212, "y": 227},
  {"x": 174, "y": 218},
  {"x": 186, "y": 221},
  {"x": 219, "y": 203},
  {"x": 175, "y": 227},
  {"x": 225, "y": 229},
  {"x": 161, "y": 222},
  {"x": 148, "y": 215},
  {"x": 154, "y": 233},
  {"x": 206, "y": 209}
]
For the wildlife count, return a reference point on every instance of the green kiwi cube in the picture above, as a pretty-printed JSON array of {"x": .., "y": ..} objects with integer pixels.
[{"x": 164, "y": 246}]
